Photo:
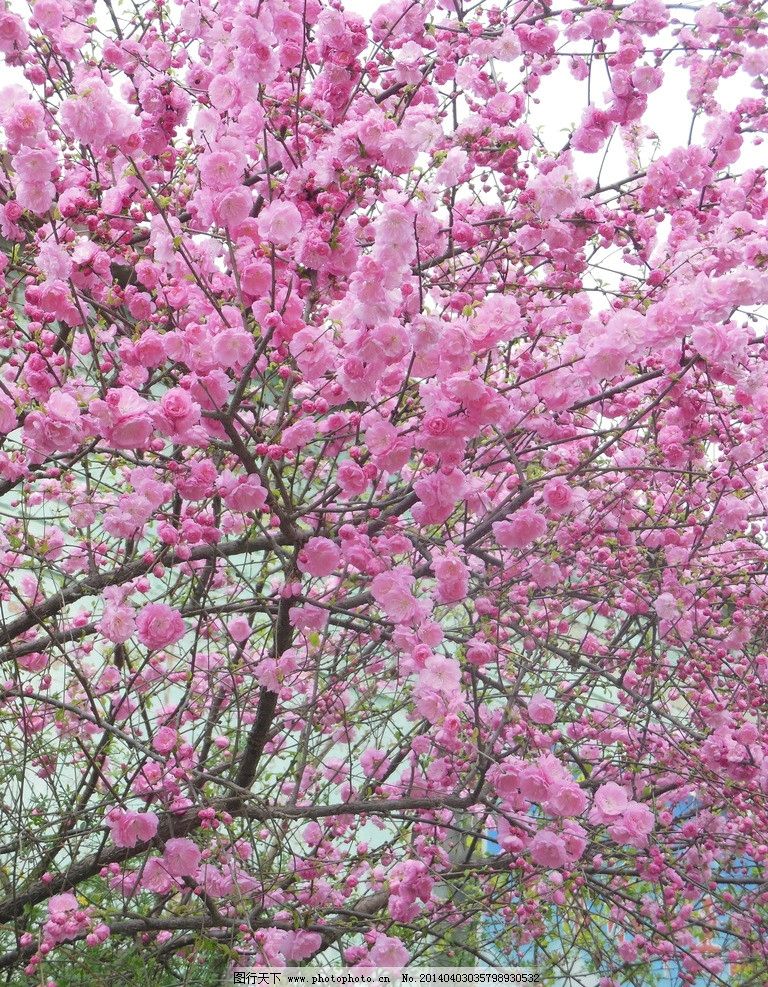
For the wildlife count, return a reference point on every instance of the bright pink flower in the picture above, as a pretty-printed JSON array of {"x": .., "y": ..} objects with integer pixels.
[
  {"x": 387, "y": 951},
  {"x": 159, "y": 626},
  {"x": 441, "y": 674},
  {"x": 13, "y": 37},
  {"x": 221, "y": 169},
  {"x": 239, "y": 628},
  {"x": 247, "y": 494},
  {"x": 350, "y": 477},
  {"x": 164, "y": 740},
  {"x": 233, "y": 207},
  {"x": 565, "y": 800},
  {"x": 301, "y": 945},
  {"x": 558, "y": 496},
  {"x": 118, "y": 624},
  {"x": 60, "y": 904},
  {"x": 178, "y": 412},
  {"x": 233, "y": 348}
]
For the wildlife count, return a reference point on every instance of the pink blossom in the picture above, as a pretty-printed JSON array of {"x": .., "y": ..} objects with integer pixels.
[
  {"x": 129, "y": 828},
  {"x": 246, "y": 494},
  {"x": 164, "y": 740},
  {"x": 280, "y": 222},
  {"x": 60, "y": 904},
  {"x": 440, "y": 674},
  {"x": 181, "y": 857},
  {"x": 610, "y": 802},
  {"x": 452, "y": 577},
  {"x": 558, "y": 496},
  {"x": 159, "y": 626},
  {"x": 548, "y": 850},
  {"x": 233, "y": 348},
  {"x": 178, "y": 412},
  {"x": 541, "y": 709},
  {"x": 633, "y": 826},
  {"x": 239, "y": 628},
  {"x": 221, "y": 169},
  {"x": 117, "y": 624},
  {"x": 565, "y": 800},
  {"x": 524, "y": 528},
  {"x": 123, "y": 418},
  {"x": 12, "y": 33},
  {"x": 319, "y": 557},
  {"x": 389, "y": 952},
  {"x": 392, "y": 591}
]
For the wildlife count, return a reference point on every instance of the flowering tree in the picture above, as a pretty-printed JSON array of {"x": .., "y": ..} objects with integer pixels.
[{"x": 383, "y": 483}]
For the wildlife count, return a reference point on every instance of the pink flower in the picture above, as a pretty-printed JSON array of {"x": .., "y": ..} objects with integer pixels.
[
  {"x": 129, "y": 828},
  {"x": 319, "y": 557},
  {"x": 165, "y": 740},
  {"x": 541, "y": 709},
  {"x": 117, "y": 624},
  {"x": 124, "y": 418},
  {"x": 233, "y": 207},
  {"x": 239, "y": 628},
  {"x": 246, "y": 495},
  {"x": 439, "y": 494},
  {"x": 541, "y": 777},
  {"x": 575, "y": 838},
  {"x": 505, "y": 777},
  {"x": 233, "y": 348},
  {"x": 12, "y": 33},
  {"x": 93, "y": 117},
  {"x": 280, "y": 222},
  {"x": 565, "y": 800},
  {"x": 60, "y": 904},
  {"x": 349, "y": 476},
  {"x": 159, "y": 626},
  {"x": 388, "y": 952},
  {"x": 222, "y": 92},
  {"x": 181, "y": 858},
  {"x": 633, "y": 826},
  {"x": 221, "y": 169},
  {"x": 525, "y": 527},
  {"x": 34, "y": 164},
  {"x": 452, "y": 577},
  {"x": 301, "y": 945},
  {"x": 37, "y": 197},
  {"x": 178, "y": 412},
  {"x": 558, "y": 496},
  {"x": 548, "y": 850},
  {"x": 441, "y": 674},
  {"x": 8, "y": 419},
  {"x": 392, "y": 591},
  {"x": 666, "y": 606},
  {"x": 611, "y": 800}
]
